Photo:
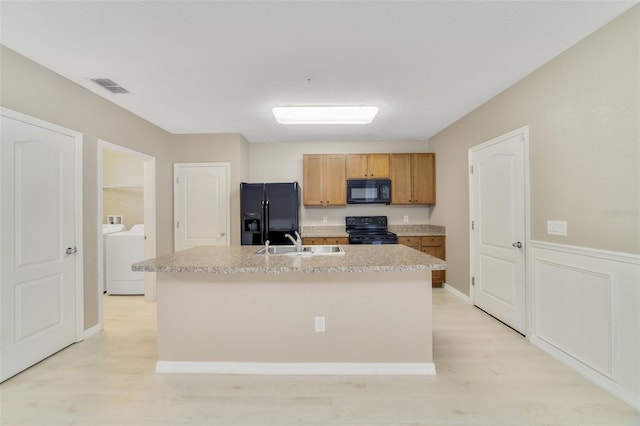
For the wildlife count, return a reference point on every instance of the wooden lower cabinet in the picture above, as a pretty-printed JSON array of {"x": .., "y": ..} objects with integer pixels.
[
  {"x": 320, "y": 241},
  {"x": 434, "y": 246}
]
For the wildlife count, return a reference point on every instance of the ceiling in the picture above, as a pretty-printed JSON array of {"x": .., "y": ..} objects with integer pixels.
[{"x": 220, "y": 66}]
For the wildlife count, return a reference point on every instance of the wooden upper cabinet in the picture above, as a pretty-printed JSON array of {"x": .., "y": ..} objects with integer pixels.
[
  {"x": 367, "y": 166},
  {"x": 424, "y": 178},
  {"x": 401, "y": 179},
  {"x": 413, "y": 178},
  {"x": 379, "y": 166},
  {"x": 325, "y": 176},
  {"x": 357, "y": 166},
  {"x": 335, "y": 181},
  {"x": 313, "y": 171},
  {"x": 324, "y": 180}
]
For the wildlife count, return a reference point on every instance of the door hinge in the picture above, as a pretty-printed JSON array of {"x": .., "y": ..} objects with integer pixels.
[
  {"x": 471, "y": 169},
  {"x": 177, "y": 225},
  {"x": 473, "y": 280},
  {"x": 473, "y": 225}
]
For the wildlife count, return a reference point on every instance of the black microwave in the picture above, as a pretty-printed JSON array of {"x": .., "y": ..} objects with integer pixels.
[{"x": 368, "y": 191}]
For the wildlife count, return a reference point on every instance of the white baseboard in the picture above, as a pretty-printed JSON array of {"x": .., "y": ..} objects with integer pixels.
[
  {"x": 456, "y": 292},
  {"x": 294, "y": 368},
  {"x": 588, "y": 373},
  {"x": 90, "y": 332}
]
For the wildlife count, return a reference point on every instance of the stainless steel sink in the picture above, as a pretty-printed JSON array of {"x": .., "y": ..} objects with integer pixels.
[
  {"x": 324, "y": 249},
  {"x": 278, "y": 250},
  {"x": 306, "y": 250}
]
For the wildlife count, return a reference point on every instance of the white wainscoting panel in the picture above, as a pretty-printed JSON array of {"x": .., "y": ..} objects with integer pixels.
[{"x": 586, "y": 312}]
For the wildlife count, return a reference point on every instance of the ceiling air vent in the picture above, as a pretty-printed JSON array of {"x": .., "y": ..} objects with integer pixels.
[{"x": 110, "y": 85}]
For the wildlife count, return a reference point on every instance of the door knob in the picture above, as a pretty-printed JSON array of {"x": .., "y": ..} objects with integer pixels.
[
  {"x": 71, "y": 250},
  {"x": 518, "y": 244}
]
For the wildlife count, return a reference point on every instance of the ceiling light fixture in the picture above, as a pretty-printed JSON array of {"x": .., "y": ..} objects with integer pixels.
[{"x": 325, "y": 114}]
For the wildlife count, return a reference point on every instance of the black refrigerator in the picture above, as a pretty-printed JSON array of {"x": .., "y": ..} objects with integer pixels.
[{"x": 268, "y": 211}]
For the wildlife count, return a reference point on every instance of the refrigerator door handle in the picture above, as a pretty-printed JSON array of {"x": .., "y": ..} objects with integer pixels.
[{"x": 266, "y": 221}]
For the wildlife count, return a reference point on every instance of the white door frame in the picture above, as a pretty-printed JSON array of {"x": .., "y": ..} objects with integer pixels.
[
  {"x": 78, "y": 208},
  {"x": 176, "y": 213},
  {"x": 149, "y": 164},
  {"x": 524, "y": 131}
]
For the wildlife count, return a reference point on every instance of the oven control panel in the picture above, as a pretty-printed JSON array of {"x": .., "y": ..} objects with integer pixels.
[{"x": 366, "y": 222}]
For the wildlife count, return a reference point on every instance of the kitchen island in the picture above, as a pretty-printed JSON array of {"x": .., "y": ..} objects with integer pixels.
[{"x": 229, "y": 310}]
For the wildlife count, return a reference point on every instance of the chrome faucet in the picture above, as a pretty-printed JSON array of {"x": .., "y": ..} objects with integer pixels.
[
  {"x": 297, "y": 241},
  {"x": 266, "y": 247}
]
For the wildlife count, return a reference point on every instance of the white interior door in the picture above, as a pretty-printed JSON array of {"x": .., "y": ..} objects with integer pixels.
[
  {"x": 39, "y": 242},
  {"x": 498, "y": 235},
  {"x": 201, "y": 205}
]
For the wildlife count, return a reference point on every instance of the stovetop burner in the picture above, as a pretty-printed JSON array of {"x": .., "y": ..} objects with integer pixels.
[{"x": 369, "y": 230}]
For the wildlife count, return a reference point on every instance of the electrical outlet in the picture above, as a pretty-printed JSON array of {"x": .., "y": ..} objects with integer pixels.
[
  {"x": 557, "y": 227},
  {"x": 406, "y": 219},
  {"x": 324, "y": 219},
  {"x": 319, "y": 324}
]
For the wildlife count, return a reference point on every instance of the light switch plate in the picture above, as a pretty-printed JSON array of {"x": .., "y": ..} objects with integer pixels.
[{"x": 557, "y": 227}]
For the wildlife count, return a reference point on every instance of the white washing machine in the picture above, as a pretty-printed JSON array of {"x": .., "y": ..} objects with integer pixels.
[
  {"x": 108, "y": 228},
  {"x": 123, "y": 250}
]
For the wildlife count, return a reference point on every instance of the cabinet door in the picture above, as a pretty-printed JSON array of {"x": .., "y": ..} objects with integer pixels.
[
  {"x": 313, "y": 189},
  {"x": 432, "y": 242},
  {"x": 313, "y": 241},
  {"x": 337, "y": 240},
  {"x": 437, "y": 277},
  {"x": 357, "y": 167},
  {"x": 335, "y": 181},
  {"x": 400, "y": 173},
  {"x": 378, "y": 166},
  {"x": 437, "y": 251},
  {"x": 424, "y": 178},
  {"x": 413, "y": 242}
]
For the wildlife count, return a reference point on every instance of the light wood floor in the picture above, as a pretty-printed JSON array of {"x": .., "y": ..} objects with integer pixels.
[{"x": 487, "y": 375}]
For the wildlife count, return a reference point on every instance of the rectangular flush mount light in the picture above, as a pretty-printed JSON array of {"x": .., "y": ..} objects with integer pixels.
[{"x": 325, "y": 114}]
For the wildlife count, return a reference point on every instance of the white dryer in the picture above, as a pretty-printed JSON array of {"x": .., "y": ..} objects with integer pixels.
[
  {"x": 108, "y": 228},
  {"x": 123, "y": 250}
]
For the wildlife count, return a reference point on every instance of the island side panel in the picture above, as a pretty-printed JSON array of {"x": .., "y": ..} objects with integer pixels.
[{"x": 372, "y": 317}]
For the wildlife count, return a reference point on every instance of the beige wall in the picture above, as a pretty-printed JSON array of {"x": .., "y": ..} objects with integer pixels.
[
  {"x": 281, "y": 162},
  {"x": 272, "y": 317},
  {"x": 582, "y": 109},
  {"x": 211, "y": 148},
  {"x": 31, "y": 89},
  {"x": 123, "y": 187}
]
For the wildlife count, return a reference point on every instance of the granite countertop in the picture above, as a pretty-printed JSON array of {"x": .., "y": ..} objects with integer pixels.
[
  {"x": 400, "y": 230},
  {"x": 418, "y": 230},
  {"x": 242, "y": 259},
  {"x": 324, "y": 232}
]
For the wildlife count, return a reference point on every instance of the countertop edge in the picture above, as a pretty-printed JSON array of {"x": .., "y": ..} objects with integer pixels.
[{"x": 286, "y": 270}]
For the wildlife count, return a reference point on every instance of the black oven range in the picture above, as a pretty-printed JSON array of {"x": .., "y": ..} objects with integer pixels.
[{"x": 369, "y": 230}]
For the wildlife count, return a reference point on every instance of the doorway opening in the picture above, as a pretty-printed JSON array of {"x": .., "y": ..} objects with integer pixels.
[{"x": 126, "y": 197}]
